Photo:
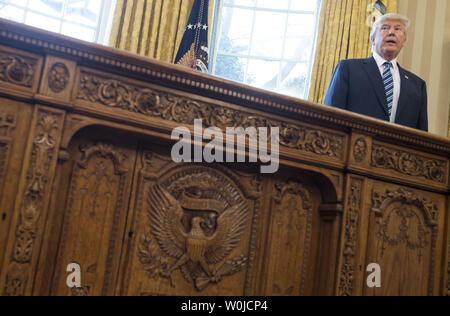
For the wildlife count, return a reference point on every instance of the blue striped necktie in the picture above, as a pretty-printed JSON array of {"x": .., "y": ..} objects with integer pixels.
[{"x": 388, "y": 82}]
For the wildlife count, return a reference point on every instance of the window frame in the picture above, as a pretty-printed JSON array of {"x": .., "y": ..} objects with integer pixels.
[
  {"x": 101, "y": 30},
  {"x": 215, "y": 39}
]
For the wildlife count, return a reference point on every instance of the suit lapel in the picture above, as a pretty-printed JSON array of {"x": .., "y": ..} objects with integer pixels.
[
  {"x": 371, "y": 67},
  {"x": 404, "y": 86}
]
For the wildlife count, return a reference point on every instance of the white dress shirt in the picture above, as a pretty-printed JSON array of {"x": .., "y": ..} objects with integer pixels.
[{"x": 397, "y": 82}]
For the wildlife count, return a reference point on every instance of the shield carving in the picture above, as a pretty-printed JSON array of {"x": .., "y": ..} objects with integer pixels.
[{"x": 196, "y": 231}]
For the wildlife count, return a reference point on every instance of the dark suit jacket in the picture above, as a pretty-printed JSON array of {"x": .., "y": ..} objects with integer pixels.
[{"x": 357, "y": 86}]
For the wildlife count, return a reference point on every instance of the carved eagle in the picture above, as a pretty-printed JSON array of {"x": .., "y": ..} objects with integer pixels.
[{"x": 165, "y": 215}]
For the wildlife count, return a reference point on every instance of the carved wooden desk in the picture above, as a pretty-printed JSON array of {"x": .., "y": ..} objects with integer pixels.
[{"x": 86, "y": 177}]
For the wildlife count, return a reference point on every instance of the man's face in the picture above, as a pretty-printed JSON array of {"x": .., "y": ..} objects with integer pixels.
[{"x": 389, "y": 39}]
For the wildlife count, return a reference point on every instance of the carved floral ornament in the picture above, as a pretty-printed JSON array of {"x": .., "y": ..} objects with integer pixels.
[
  {"x": 352, "y": 223},
  {"x": 405, "y": 196},
  {"x": 448, "y": 271},
  {"x": 16, "y": 70},
  {"x": 116, "y": 94},
  {"x": 4, "y": 155},
  {"x": 410, "y": 214},
  {"x": 403, "y": 218},
  {"x": 58, "y": 77},
  {"x": 194, "y": 227},
  {"x": 103, "y": 150},
  {"x": 409, "y": 164},
  {"x": 7, "y": 127},
  {"x": 114, "y": 61},
  {"x": 43, "y": 151},
  {"x": 7, "y": 124},
  {"x": 293, "y": 187}
]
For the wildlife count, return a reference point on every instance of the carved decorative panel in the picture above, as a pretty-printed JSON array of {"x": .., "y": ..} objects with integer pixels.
[
  {"x": 43, "y": 155},
  {"x": 58, "y": 77},
  {"x": 96, "y": 205},
  {"x": 7, "y": 126},
  {"x": 351, "y": 235},
  {"x": 360, "y": 150},
  {"x": 448, "y": 270},
  {"x": 4, "y": 154},
  {"x": 97, "y": 186},
  {"x": 165, "y": 75},
  {"x": 138, "y": 99},
  {"x": 289, "y": 251},
  {"x": 18, "y": 70},
  {"x": 403, "y": 241},
  {"x": 81, "y": 291},
  {"x": 193, "y": 233},
  {"x": 409, "y": 164}
]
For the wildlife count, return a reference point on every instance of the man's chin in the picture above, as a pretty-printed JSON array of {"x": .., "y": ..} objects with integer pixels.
[{"x": 391, "y": 53}]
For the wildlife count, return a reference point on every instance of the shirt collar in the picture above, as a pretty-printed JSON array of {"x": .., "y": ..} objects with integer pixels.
[{"x": 380, "y": 60}]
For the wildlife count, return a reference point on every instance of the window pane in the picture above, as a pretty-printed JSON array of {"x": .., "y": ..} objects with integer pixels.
[
  {"x": 263, "y": 74},
  {"x": 299, "y": 37},
  {"x": 246, "y": 3},
  {"x": 268, "y": 34},
  {"x": 299, "y": 5},
  {"x": 90, "y": 18},
  {"x": 231, "y": 67},
  {"x": 271, "y": 44},
  {"x": 80, "y": 32},
  {"x": 21, "y": 3},
  {"x": 299, "y": 49},
  {"x": 301, "y": 25},
  {"x": 235, "y": 32},
  {"x": 274, "y": 4},
  {"x": 42, "y": 22},
  {"x": 11, "y": 13},
  {"x": 84, "y": 12},
  {"x": 293, "y": 79},
  {"x": 48, "y": 7}
]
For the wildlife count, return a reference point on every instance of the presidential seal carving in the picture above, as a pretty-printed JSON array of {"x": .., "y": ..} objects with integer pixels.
[{"x": 194, "y": 229}]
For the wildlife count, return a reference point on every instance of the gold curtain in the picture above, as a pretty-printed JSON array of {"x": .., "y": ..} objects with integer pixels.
[
  {"x": 152, "y": 28},
  {"x": 343, "y": 34}
]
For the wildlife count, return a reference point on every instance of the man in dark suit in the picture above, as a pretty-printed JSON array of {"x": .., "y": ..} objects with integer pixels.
[{"x": 378, "y": 86}]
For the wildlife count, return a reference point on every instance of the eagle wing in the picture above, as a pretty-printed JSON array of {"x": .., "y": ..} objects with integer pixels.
[
  {"x": 165, "y": 215},
  {"x": 188, "y": 58},
  {"x": 230, "y": 226}
]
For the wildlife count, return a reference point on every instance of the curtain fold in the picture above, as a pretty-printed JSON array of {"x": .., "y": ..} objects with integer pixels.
[
  {"x": 343, "y": 34},
  {"x": 152, "y": 28}
]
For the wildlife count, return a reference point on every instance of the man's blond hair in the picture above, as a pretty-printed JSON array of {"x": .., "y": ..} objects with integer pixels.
[{"x": 390, "y": 16}]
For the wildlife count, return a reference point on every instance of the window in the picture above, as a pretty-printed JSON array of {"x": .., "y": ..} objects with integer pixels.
[
  {"x": 266, "y": 43},
  {"x": 88, "y": 20}
]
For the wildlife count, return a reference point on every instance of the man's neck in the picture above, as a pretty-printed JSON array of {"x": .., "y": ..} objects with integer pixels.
[{"x": 384, "y": 58}]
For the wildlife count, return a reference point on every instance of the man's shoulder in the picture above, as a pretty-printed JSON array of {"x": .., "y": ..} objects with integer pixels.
[
  {"x": 354, "y": 62},
  {"x": 411, "y": 75},
  {"x": 358, "y": 60}
]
